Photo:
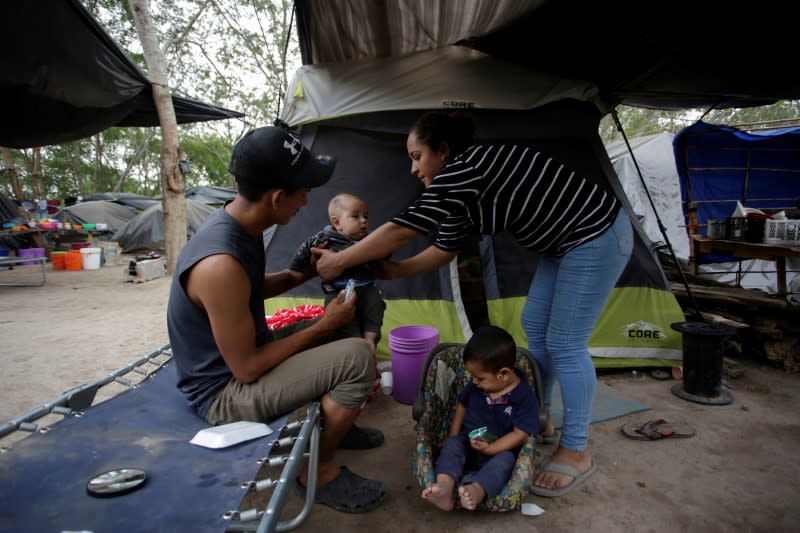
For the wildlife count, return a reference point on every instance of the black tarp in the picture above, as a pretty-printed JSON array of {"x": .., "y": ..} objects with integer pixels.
[
  {"x": 62, "y": 77},
  {"x": 656, "y": 53},
  {"x": 128, "y": 199},
  {"x": 209, "y": 194},
  {"x": 112, "y": 214},
  {"x": 146, "y": 230}
]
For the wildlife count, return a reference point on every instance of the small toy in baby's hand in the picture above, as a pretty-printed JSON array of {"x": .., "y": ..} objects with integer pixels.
[
  {"x": 482, "y": 434},
  {"x": 348, "y": 291}
]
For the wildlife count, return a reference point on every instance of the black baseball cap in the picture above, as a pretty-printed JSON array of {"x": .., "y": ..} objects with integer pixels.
[{"x": 278, "y": 157}]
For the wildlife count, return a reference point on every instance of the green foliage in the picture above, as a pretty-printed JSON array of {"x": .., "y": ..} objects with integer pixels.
[
  {"x": 208, "y": 156},
  {"x": 638, "y": 122}
]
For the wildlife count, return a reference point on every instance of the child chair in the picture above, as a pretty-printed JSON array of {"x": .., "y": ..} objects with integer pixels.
[{"x": 443, "y": 378}]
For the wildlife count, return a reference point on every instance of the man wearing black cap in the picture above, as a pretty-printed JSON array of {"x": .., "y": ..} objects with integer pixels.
[{"x": 230, "y": 366}]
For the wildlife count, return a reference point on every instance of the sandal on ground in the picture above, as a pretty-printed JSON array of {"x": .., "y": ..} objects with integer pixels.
[
  {"x": 657, "y": 429},
  {"x": 579, "y": 477},
  {"x": 361, "y": 439},
  {"x": 347, "y": 493}
]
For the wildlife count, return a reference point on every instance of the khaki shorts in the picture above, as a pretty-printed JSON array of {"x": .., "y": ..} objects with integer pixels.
[{"x": 345, "y": 369}]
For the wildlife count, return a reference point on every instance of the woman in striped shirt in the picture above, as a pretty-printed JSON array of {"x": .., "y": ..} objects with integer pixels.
[{"x": 573, "y": 222}]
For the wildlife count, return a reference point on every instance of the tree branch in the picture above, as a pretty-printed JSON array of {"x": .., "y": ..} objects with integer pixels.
[{"x": 170, "y": 40}]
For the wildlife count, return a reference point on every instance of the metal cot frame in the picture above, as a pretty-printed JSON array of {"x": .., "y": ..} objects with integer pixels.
[{"x": 304, "y": 444}]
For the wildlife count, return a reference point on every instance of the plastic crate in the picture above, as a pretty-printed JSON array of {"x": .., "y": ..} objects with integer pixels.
[{"x": 782, "y": 232}]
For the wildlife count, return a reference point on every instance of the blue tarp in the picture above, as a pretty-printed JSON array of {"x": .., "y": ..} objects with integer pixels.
[{"x": 720, "y": 165}]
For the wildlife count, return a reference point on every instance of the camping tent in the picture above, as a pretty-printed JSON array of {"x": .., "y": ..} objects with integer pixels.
[
  {"x": 210, "y": 195},
  {"x": 146, "y": 230},
  {"x": 135, "y": 201},
  {"x": 65, "y": 78},
  {"x": 114, "y": 215},
  {"x": 367, "y": 133},
  {"x": 653, "y": 154},
  {"x": 653, "y": 62}
]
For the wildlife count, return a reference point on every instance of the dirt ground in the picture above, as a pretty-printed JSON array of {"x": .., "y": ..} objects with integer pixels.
[{"x": 739, "y": 473}]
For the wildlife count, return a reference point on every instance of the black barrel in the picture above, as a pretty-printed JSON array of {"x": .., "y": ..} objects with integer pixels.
[{"x": 702, "y": 356}]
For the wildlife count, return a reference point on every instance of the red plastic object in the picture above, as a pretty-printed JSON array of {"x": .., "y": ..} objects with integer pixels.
[{"x": 284, "y": 317}]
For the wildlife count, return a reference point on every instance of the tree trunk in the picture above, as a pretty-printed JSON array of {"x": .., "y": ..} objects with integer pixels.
[
  {"x": 8, "y": 160},
  {"x": 173, "y": 186},
  {"x": 36, "y": 172}
]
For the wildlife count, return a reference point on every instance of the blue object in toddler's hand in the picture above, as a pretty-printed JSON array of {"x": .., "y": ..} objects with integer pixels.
[{"x": 348, "y": 291}]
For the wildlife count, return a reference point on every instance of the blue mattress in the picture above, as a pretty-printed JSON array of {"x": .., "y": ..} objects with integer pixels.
[{"x": 188, "y": 488}]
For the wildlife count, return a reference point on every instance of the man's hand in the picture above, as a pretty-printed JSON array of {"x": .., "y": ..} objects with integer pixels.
[
  {"x": 339, "y": 313},
  {"x": 326, "y": 263}
]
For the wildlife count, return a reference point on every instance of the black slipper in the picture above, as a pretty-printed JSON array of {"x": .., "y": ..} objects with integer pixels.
[
  {"x": 361, "y": 439},
  {"x": 347, "y": 493}
]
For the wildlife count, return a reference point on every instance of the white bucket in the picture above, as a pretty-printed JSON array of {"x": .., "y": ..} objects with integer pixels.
[{"x": 90, "y": 258}]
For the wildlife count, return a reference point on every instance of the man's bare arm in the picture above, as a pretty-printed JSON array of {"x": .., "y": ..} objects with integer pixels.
[{"x": 219, "y": 285}]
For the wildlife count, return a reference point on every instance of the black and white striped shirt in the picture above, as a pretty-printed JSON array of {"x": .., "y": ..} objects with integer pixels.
[{"x": 491, "y": 188}]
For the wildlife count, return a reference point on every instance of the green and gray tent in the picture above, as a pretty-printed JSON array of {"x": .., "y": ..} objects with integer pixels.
[{"x": 361, "y": 112}]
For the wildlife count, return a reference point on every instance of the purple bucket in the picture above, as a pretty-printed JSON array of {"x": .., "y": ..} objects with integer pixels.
[
  {"x": 409, "y": 346},
  {"x": 30, "y": 252}
]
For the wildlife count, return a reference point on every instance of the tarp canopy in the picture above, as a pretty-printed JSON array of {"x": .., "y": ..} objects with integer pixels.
[
  {"x": 64, "y": 78},
  {"x": 707, "y": 146},
  {"x": 662, "y": 54},
  {"x": 720, "y": 165},
  {"x": 146, "y": 230}
]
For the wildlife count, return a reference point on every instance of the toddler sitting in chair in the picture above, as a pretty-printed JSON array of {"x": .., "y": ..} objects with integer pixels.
[{"x": 498, "y": 399}]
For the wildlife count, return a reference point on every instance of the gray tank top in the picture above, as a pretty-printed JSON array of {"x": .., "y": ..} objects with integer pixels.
[{"x": 202, "y": 371}]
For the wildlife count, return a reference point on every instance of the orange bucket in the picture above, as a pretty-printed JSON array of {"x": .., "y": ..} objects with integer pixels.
[
  {"x": 59, "y": 260},
  {"x": 73, "y": 260}
]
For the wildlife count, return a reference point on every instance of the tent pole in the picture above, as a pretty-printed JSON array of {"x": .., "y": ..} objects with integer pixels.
[{"x": 661, "y": 227}]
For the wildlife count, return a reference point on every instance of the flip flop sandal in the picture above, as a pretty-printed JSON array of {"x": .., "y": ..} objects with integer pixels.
[
  {"x": 562, "y": 468},
  {"x": 361, "y": 439},
  {"x": 657, "y": 429},
  {"x": 347, "y": 493}
]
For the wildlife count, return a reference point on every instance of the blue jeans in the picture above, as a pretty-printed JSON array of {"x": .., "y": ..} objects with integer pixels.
[
  {"x": 566, "y": 298},
  {"x": 493, "y": 472}
]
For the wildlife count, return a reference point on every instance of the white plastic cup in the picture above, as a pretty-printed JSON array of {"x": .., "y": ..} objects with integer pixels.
[{"x": 386, "y": 383}]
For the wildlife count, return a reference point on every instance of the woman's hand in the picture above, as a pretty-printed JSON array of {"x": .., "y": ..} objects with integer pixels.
[
  {"x": 311, "y": 268},
  {"x": 326, "y": 263},
  {"x": 386, "y": 269}
]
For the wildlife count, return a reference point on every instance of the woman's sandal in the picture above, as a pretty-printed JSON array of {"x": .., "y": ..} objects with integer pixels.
[
  {"x": 347, "y": 493},
  {"x": 657, "y": 429}
]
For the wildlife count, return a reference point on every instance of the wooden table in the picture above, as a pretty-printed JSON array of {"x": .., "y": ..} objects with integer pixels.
[
  {"x": 35, "y": 234},
  {"x": 700, "y": 244}
]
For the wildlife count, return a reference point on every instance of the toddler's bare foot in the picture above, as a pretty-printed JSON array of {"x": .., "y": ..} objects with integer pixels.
[
  {"x": 471, "y": 495},
  {"x": 440, "y": 495}
]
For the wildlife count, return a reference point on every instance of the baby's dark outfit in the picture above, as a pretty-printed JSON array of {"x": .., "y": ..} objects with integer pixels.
[{"x": 370, "y": 305}]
